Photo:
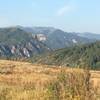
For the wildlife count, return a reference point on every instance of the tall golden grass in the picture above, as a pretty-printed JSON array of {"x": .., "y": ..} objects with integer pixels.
[{"x": 24, "y": 81}]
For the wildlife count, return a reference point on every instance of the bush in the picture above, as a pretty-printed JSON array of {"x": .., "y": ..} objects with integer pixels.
[{"x": 71, "y": 86}]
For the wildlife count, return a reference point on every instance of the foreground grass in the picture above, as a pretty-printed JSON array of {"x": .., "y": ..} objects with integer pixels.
[{"x": 24, "y": 81}]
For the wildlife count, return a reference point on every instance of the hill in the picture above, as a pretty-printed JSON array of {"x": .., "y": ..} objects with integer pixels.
[
  {"x": 15, "y": 42},
  {"x": 83, "y": 55}
]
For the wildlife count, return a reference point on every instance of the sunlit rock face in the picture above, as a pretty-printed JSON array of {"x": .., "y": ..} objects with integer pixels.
[
  {"x": 40, "y": 37},
  {"x": 26, "y": 52},
  {"x": 23, "y": 50},
  {"x": 74, "y": 41},
  {"x": 13, "y": 49}
]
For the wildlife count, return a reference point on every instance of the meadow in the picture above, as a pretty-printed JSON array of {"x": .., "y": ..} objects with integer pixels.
[{"x": 26, "y": 81}]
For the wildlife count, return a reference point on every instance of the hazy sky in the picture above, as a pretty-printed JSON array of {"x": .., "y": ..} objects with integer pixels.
[{"x": 70, "y": 15}]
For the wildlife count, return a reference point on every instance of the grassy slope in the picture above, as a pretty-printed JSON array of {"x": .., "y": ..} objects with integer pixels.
[{"x": 21, "y": 80}]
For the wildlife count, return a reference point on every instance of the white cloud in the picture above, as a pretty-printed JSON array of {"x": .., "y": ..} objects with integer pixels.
[{"x": 62, "y": 11}]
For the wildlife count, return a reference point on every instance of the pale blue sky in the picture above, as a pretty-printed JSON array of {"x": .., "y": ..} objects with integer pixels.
[{"x": 69, "y": 15}]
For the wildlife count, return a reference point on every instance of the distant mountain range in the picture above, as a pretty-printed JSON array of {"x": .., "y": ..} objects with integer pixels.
[
  {"x": 89, "y": 35},
  {"x": 56, "y": 38},
  {"x": 27, "y": 41}
]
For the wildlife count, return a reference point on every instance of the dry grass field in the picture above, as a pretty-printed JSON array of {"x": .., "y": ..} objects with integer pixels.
[{"x": 25, "y": 81}]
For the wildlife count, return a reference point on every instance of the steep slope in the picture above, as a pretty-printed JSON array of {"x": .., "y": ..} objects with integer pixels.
[
  {"x": 18, "y": 43},
  {"x": 84, "y": 55},
  {"x": 56, "y": 38}
]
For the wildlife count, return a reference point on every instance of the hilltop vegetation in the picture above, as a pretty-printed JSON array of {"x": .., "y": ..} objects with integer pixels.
[
  {"x": 13, "y": 36},
  {"x": 78, "y": 56}
]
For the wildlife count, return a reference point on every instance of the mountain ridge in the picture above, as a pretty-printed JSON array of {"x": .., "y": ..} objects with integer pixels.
[
  {"x": 20, "y": 42},
  {"x": 57, "y": 38}
]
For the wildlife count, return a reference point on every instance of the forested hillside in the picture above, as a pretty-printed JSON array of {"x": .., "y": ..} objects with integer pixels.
[
  {"x": 15, "y": 42},
  {"x": 79, "y": 56}
]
